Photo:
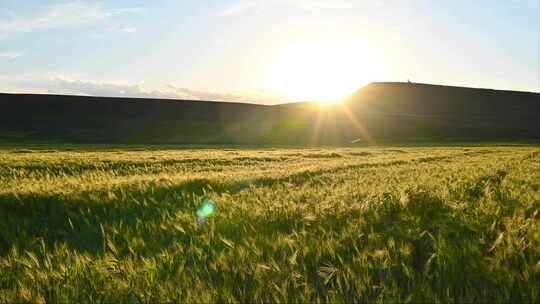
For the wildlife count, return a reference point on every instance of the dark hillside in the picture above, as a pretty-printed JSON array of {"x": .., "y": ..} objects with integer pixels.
[
  {"x": 422, "y": 110},
  {"x": 102, "y": 119},
  {"x": 389, "y": 111}
]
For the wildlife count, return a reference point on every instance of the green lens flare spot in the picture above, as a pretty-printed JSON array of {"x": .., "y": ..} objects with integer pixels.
[{"x": 206, "y": 209}]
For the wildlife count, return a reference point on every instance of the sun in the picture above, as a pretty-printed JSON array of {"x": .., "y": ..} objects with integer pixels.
[{"x": 324, "y": 69}]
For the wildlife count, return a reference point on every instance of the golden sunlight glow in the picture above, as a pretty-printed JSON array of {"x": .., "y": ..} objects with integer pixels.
[{"x": 323, "y": 69}]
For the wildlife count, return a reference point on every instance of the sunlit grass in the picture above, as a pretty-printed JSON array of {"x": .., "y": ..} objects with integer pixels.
[{"x": 291, "y": 225}]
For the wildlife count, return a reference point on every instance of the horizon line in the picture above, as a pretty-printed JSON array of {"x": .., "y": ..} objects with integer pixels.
[{"x": 409, "y": 83}]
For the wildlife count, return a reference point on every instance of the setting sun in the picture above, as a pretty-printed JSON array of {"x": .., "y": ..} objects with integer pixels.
[{"x": 323, "y": 70}]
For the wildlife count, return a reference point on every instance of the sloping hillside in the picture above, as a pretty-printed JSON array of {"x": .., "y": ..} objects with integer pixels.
[
  {"x": 421, "y": 110},
  {"x": 379, "y": 111},
  {"x": 101, "y": 119}
]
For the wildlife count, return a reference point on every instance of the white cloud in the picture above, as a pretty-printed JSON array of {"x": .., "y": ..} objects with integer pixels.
[
  {"x": 240, "y": 7},
  {"x": 10, "y": 55},
  {"x": 255, "y": 96},
  {"x": 126, "y": 29},
  {"x": 62, "y": 15},
  {"x": 69, "y": 86},
  {"x": 74, "y": 86},
  {"x": 124, "y": 11}
]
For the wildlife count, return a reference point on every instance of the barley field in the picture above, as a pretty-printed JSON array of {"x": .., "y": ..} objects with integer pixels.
[{"x": 367, "y": 224}]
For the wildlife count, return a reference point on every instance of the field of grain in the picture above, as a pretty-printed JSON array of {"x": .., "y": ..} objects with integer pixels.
[{"x": 405, "y": 224}]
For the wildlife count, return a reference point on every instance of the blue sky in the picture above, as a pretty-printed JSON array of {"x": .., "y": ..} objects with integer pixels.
[{"x": 264, "y": 51}]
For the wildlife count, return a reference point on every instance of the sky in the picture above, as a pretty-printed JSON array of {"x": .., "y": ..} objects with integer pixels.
[{"x": 267, "y": 52}]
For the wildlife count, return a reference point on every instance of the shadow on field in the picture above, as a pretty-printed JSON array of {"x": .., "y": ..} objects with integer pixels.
[{"x": 79, "y": 220}]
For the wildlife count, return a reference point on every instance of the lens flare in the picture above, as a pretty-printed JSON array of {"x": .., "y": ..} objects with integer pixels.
[{"x": 205, "y": 211}]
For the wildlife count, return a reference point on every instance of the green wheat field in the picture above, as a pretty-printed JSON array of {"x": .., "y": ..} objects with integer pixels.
[{"x": 366, "y": 224}]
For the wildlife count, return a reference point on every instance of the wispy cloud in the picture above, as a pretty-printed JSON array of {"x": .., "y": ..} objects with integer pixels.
[
  {"x": 73, "y": 86},
  {"x": 245, "y": 5},
  {"x": 92, "y": 88},
  {"x": 10, "y": 55},
  {"x": 126, "y": 29},
  {"x": 62, "y": 15},
  {"x": 258, "y": 96},
  {"x": 239, "y": 7},
  {"x": 123, "y": 11}
]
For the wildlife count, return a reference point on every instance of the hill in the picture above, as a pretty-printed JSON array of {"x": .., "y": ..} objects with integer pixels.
[
  {"x": 424, "y": 111},
  {"x": 378, "y": 111}
]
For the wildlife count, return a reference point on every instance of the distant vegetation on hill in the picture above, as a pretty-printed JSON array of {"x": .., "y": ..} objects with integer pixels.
[{"x": 379, "y": 111}]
